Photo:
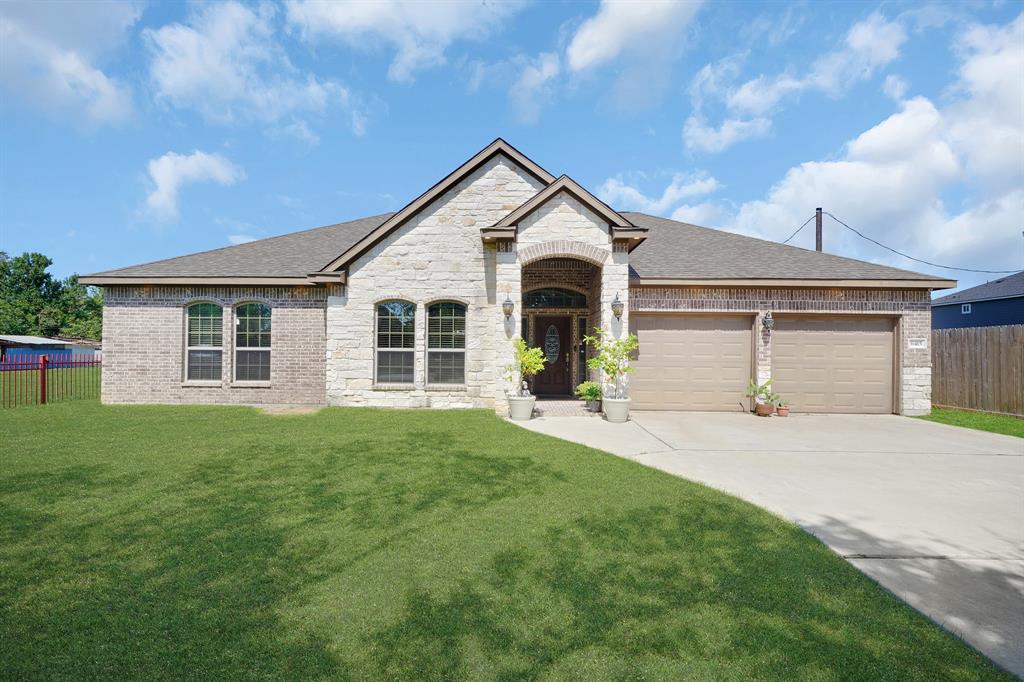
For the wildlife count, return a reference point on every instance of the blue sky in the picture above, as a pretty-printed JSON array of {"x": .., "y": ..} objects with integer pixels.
[{"x": 133, "y": 132}]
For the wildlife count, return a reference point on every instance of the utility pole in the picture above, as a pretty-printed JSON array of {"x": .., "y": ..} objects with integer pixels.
[{"x": 817, "y": 229}]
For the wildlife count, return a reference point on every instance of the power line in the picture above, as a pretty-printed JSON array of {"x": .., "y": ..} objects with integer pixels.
[
  {"x": 798, "y": 230},
  {"x": 900, "y": 253}
]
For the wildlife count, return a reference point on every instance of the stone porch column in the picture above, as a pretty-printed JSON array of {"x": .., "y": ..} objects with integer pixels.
[{"x": 508, "y": 285}]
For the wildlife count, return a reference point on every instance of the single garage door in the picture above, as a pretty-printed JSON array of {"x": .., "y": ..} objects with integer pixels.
[
  {"x": 834, "y": 364},
  {"x": 691, "y": 362}
]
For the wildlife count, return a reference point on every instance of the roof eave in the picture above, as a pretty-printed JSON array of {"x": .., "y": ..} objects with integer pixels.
[
  {"x": 101, "y": 280},
  {"x": 798, "y": 283}
]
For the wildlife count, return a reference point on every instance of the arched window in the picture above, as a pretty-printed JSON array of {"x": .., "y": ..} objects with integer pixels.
[
  {"x": 252, "y": 342},
  {"x": 446, "y": 343},
  {"x": 395, "y": 342},
  {"x": 553, "y": 297},
  {"x": 204, "y": 339}
]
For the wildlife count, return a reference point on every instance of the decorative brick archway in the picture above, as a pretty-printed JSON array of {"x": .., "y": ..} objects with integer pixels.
[{"x": 563, "y": 248}]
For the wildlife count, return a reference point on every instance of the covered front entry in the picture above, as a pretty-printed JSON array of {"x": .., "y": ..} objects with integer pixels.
[
  {"x": 692, "y": 362},
  {"x": 560, "y": 304}
]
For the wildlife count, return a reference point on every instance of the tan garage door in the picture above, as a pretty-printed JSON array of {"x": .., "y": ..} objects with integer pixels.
[
  {"x": 834, "y": 364},
  {"x": 691, "y": 362}
]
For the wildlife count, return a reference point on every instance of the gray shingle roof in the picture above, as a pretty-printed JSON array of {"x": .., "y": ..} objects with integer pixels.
[
  {"x": 290, "y": 255},
  {"x": 676, "y": 250},
  {"x": 1004, "y": 287},
  {"x": 673, "y": 250}
]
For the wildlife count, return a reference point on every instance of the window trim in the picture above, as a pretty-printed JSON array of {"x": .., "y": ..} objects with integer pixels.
[
  {"x": 186, "y": 381},
  {"x": 235, "y": 348},
  {"x": 433, "y": 385},
  {"x": 965, "y": 308},
  {"x": 393, "y": 385}
]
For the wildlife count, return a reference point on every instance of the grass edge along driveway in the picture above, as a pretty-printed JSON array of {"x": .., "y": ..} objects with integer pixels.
[
  {"x": 196, "y": 542},
  {"x": 981, "y": 421}
]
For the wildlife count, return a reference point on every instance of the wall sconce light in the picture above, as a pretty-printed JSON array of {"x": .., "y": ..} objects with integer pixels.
[
  {"x": 617, "y": 307},
  {"x": 507, "y": 307},
  {"x": 768, "y": 321}
]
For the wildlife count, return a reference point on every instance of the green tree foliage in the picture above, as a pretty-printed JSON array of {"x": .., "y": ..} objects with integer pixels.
[{"x": 33, "y": 302}]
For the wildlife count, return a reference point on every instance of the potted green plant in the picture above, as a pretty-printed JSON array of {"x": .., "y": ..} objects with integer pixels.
[
  {"x": 761, "y": 393},
  {"x": 612, "y": 358},
  {"x": 526, "y": 363},
  {"x": 590, "y": 391},
  {"x": 781, "y": 406}
]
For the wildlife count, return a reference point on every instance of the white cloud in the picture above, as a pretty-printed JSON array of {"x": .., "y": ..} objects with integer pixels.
[
  {"x": 626, "y": 26},
  {"x": 419, "y": 32},
  {"x": 172, "y": 171},
  {"x": 534, "y": 82},
  {"x": 894, "y": 87},
  {"x": 241, "y": 238},
  {"x": 226, "y": 63},
  {"x": 615, "y": 192},
  {"x": 702, "y": 137},
  {"x": 890, "y": 181},
  {"x": 50, "y": 57},
  {"x": 867, "y": 46},
  {"x": 299, "y": 129}
]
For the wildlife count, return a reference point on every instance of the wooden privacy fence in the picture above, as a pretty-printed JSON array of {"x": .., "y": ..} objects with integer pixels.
[
  {"x": 979, "y": 368},
  {"x": 40, "y": 380}
]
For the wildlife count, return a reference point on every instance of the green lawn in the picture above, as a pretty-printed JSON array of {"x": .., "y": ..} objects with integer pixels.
[
  {"x": 218, "y": 542},
  {"x": 1010, "y": 426}
]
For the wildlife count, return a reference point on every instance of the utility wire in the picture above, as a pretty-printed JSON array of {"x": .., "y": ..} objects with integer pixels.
[
  {"x": 900, "y": 253},
  {"x": 798, "y": 230}
]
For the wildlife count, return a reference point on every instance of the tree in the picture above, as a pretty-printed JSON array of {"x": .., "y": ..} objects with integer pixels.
[{"x": 33, "y": 302}]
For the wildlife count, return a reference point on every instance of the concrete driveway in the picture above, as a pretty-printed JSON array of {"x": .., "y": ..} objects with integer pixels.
[{"x": 934, "y": 513}]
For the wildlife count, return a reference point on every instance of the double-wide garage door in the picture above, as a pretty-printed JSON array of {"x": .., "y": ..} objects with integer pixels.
[
  {"x": 834, "y": 364},
  {"x": 819, "y": 363},
  {"x": 691, "y": 362}
]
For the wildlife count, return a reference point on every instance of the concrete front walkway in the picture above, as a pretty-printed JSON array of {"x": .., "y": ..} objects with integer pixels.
[{"x": 934, "y": 513}]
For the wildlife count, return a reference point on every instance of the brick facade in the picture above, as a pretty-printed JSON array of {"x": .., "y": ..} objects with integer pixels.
[
  {"x": 144, "y": 345},
  {"x": 910, "y": 307}
]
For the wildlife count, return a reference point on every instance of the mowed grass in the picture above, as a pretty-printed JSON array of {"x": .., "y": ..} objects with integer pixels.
[
  {"x": 996, "y": 423},
  {"x": 216, "y": 542}
]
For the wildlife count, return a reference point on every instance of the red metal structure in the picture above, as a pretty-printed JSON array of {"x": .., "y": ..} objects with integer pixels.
[{"x": 40, "y": 381}]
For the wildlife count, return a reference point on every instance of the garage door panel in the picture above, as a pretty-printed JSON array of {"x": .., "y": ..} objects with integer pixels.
[
  {"x": 691, "y": 362},
  {"x": 834, "y": 364}
]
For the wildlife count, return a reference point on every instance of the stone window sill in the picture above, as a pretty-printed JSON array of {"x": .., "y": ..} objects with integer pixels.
[
  {"x": 251, "y": 384},
  {"x": 453, "y": 388},
  {"x": 394, "y": 387},
  {"x": 201, "y": 384}
]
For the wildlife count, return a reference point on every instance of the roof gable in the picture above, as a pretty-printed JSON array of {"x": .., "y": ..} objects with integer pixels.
[
  {"x": 570, "y": 186},
  {"x": 498, "y": 147}
]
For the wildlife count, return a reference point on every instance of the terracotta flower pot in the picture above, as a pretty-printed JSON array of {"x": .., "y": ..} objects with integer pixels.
[
  {"x": 762, "y": 410},
  {"x": 782, "y": 410}
]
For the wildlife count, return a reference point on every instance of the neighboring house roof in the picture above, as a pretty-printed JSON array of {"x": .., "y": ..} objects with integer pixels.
[
  {"x": 32, "y": 340},
  {"x": 1004, "y": 287},
  {"x": 681, "y": 253},
  {"x": 289, "y": 258}
]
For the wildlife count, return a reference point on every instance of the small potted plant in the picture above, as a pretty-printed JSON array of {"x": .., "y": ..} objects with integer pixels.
[
  {"x": 526, "y": 363},
  {"x": 612, "y": 358},
  {"x": 781, "y": 406},
  {"x": 761, "y": 393},
  {"x": 590, "y": 391}
]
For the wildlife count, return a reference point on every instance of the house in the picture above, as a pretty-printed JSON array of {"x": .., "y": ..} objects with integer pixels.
[
  {"x": 21, "y": 348},
  {"x": 417, "y": 308},
  {"x": 1000, "y": 301}
]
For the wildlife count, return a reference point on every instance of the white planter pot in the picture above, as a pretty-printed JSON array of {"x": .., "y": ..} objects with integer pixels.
[
  {"x": 520, "y": 408},
  {"x": 616, "y": 410}
]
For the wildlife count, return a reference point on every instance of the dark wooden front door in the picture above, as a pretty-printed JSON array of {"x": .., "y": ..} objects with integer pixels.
[{"x": 552, "y": 335}]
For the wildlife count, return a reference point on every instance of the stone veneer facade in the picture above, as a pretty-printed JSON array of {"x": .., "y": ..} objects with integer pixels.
[
  {"x": 144, "y": 345},
  {"x": 438, "y": 255},
  {"x": 910, "y": 307}
]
